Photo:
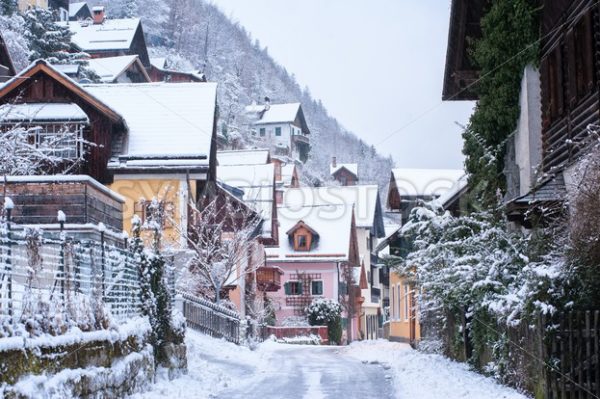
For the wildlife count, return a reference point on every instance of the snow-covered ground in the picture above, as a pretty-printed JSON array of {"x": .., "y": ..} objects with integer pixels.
[
  {"x": 423, "y": 376},
  {"x": 370, "y": 369}
]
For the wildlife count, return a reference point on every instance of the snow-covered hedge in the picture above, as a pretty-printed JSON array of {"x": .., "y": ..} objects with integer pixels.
[{"x": 326, "y": 312}]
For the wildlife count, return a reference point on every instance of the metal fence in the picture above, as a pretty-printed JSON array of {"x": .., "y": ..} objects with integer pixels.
[
  {"x": 210, "y": 318},
  {"x": 74, "y": 278}
]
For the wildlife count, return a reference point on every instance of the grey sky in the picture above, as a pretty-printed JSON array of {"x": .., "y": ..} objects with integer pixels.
[{"x": 377, "y": 66}]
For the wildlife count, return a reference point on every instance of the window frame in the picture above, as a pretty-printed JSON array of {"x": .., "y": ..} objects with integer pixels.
[
  {"x": 312, "y": 291},
  {"x": 262, "y": 132}
]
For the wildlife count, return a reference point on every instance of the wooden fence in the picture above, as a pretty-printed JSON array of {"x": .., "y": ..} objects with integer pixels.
[
  {"x": 210, "y": 318},
  {"x": 574, "y": 352}
]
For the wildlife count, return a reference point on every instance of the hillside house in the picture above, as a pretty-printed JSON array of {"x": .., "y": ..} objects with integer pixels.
[
  {"x": 79, "y": 11},
  {"x": 282, "y": 128},
  {"x": 160, "y": 72},
  {"x": 68, "y": 117},
  {"x": 319, "y": 257},
  {"x": 364, "y": 202},
  {"x": 102, "y": 37},
  {"x": 7, "y": 69},
  {"x": 344, "y": 173},
  {"x": 121, "y": 69}
]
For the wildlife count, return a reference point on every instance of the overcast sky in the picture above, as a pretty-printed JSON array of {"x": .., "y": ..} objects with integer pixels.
[{"x": 377, "y": 66}]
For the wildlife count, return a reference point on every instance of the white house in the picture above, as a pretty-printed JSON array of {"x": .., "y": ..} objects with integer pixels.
[{"x": 281, "y": 127}]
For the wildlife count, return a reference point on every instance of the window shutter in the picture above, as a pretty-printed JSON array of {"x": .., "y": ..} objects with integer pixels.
[
  {"x": 572, "y": 68},
  {"x": 287, "y": 289},
  {"x": 300, "y": 288}
]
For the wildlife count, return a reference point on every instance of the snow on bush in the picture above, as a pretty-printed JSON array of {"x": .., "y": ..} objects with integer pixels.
[{"x": 325, "y": 311}]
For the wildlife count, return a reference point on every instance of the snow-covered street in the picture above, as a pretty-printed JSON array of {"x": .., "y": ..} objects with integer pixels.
[{"x": 370, "y": 369}]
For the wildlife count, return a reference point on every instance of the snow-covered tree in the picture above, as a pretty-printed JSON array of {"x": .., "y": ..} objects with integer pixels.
[
  {"x": 220, "y": 235},
  {"x": 326, "y": 312},
  {"x": 13, "y": 33},
  {"x": 47, "y": 39},
  {"x": 8, "y": 7}
]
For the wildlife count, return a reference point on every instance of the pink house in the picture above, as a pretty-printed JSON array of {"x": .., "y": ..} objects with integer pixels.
[{"x": 318, "y": 253}]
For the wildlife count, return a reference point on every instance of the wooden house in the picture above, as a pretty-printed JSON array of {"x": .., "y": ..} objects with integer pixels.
[
  {"x": 159, "y": 72},
  {"x": 7, "y": 69},
  {"x": 80, "y": 11},
  {"x": 103, "y": 37},
  {"x": 121, "y": 69},
  {"x": 344, "y": 173}
]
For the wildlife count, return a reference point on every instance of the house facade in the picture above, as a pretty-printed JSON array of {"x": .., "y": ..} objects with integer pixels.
[
  {"x": 344, "y": 173},
  {"x": 282, "y": 128},
  {"x": 319, "y": 258}
]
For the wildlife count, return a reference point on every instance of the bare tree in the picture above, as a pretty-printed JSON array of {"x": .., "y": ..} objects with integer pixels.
[{"x": 221, "y": 236}]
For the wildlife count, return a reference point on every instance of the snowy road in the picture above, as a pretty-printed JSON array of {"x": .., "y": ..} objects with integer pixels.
[{"x": 302, "y": 372}]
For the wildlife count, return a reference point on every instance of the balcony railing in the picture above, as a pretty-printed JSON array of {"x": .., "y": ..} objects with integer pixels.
[{"x": 268, "y": 279}]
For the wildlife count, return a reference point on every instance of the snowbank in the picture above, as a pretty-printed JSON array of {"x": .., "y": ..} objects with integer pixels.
[{"x": 422, "y": 376}]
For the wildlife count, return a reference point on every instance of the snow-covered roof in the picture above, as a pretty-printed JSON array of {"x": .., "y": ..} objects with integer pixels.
[
  {"x": 256, "y": 181},
  {"x": 40, "y": 112},
  {"x": 163, "y": 119},
  {"x": 425, "y": 182},
  {"x": 332, "y": 222},
  {"x": 110, "y": 68},
  {"x": 275, "y": 113},
  {"x": 67, "y": 69},
  {"x": 363, "y": 199},
  {"x": 74, "y": 8},
  {"x": 287, "y": 174},
  {"x": 458, "y": 186},
  {"x": 351, "y": 167},
  {"x": 158, "y": 62},
  {"x": 113, "y": 34},
  {"x": 243, "y": 157}
]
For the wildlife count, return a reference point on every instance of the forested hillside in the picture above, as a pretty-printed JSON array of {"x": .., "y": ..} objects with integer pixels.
[{"x": 194, "y": 34}]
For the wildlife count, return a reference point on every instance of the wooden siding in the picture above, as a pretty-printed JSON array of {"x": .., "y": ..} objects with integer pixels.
[
  {"x": 569, "y": 79},
  {"x": 39, "y": 203},
  {"x": 42, "y": 88}
]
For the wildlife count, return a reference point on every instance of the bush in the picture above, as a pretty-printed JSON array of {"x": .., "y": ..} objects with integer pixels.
[{"x": 326, "y": 312}]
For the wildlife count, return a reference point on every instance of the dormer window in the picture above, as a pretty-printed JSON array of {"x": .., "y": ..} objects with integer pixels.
[{"x": 302, "y": 237}]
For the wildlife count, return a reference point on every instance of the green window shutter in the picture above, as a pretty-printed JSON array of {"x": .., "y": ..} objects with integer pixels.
[
  {"x": 300, "y": 288},
  {"x": 287, "y": 289},
  {"x": 317, "y": 288}
]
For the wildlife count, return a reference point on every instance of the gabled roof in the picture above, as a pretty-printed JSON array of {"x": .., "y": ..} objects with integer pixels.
[
  {"x": 111, "y": 68},
  {"x": 243, "y": 157},
  {"x": 301, "y": 225},
  {"x": 5, "y": 58},
  {"x": 363, "y": 199},
  {"x": 74, "y": 8},
  {"x": 113, "y": 34},
  {"x": 41, "y": 66},
  {"x": 278, "y": 113},
  {"x": 350, "y": 167},
  {"x": 164, "y": 120},
  {"x": 457, "y": 189},
  {"x": 288, "y": 172},
  {"x": 424, "y": 182},
  {"x": 257, "y": 183},
  {"x": 333, "y": 224},
  {"x": 158, "y": 62}
]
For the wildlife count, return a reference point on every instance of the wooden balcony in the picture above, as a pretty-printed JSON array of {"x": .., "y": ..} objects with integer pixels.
[{"x": 268, "y": 278}]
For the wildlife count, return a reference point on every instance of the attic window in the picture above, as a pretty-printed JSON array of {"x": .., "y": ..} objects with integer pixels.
[
  {"x": 301, "y": 242},
  {"x": 302, "y": 237}
]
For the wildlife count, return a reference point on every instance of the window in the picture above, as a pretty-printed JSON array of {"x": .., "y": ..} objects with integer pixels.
[
  {"x": 317, "y": 288},
  {"x": 277, "y": 131},
  {"x": 393, "y": 304},
  {"x": 302, "y": 242},
  {"x": 62, "y": 141},
  {"x": 262, "y": 132},
  {"x": 399, "y": 301},
  {"x": 293, "y": 288}
]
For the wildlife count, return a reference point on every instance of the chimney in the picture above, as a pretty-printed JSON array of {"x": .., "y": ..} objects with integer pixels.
[
  {"x": 267, "y": 103},
  {"x": 99, "y": 13},
  {"x": 334, "y": 162}
]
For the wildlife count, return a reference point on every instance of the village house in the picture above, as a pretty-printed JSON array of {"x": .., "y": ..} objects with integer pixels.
[
  {"x": 64, "y": 114},
  {"x": 364, "y": 202},
  {"x": 80, "y": 11},
  {"x": 120, "y": 69},
  {"x": 344, "y": 173},
  {"x": 282, "y": 128},
  {"x": 102, "y": 37},
  {"x": 160, "y": 72},
  {"x": 558, "y": 102},
  {"x": 318, "y": 254},
  {"x": 407, "y": 188}
]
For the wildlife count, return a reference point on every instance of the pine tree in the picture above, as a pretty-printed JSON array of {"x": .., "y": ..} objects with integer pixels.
[
  {"x": 130, "y": 9},
  {"x": 47, "y": 39}
]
